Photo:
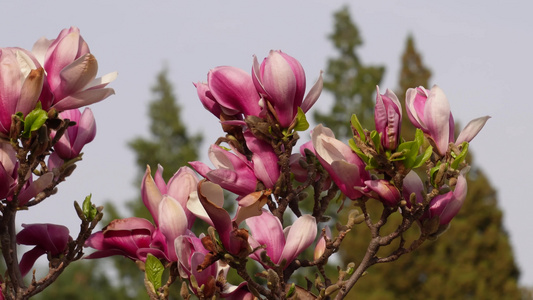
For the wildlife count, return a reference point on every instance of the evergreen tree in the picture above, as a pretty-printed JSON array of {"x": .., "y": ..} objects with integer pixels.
[
  {"x": 352, "y": 83},
  {"x": 170, "y": 146},
  {"x": 473, "y": 259}
]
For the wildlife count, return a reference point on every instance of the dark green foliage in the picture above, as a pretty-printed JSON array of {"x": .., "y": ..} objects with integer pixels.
[
  {"x": 352, "y": 83},
  {"x": 84, "y": 280}
]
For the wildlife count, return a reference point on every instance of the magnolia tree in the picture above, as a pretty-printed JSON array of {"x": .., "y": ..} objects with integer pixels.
[{"x": 281, "y": 197}]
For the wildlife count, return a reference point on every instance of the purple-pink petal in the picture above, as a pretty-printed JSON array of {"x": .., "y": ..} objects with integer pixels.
[
  {"x": 266, "y": 229},
  {"x": 301, "y": 235}
]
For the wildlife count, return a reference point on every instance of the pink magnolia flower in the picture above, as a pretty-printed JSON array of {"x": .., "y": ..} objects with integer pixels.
[
  {"x": 21, "y": 82},
  {"x": 383, "y": 191},
  {"x": 344, "y": 166},
  {"x": 429, "y": 110},
  {"x": 179, "y": 187},
  {"x": 208, "y": 207},
  {"x": 388, "y": 119},
  {"x": 75, "y": 137},
  {"x": 71, "y": 72},
  {"x": 264, "y": 160},
  {"x": 130, "y": 237},
  {"x": 447, "y": 205},
  {"x": 136, "y": 237},
  {"x": 281, "y": 246},
  {"x": 280, "y": 79},
  {"x": 232, "y": 171},
  {"x": 48, "y": 239},
  {"x": 229, "y": 90},
  {"x": 191, "y": 254}
]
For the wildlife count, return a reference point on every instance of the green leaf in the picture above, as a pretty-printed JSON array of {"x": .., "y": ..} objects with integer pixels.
[
  {"x": 89, "y": 210},
  {"x": 376, "y": 139},
  {"x": 410, "y": 151},
  {"x": 301, "y": 121},
  {"x": 34, "y": 120},
  {"x": 419, "y": 137},
  {"x": 358, "y": 151},
  {"x": 154, "y": 270},
  {"x": 421, "y": 159},
  {"x": 461, "y": 157},
  {"x": 357, "y": 125}
]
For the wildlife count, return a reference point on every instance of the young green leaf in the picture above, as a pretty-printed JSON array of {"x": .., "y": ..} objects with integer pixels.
[
  {"x": 301, "y": 121},
  {"x": 461, "y": 157},
  {"x": 421, "y": 159},
  {"x": 357, "y": 125},
  {"x": 154, "y": 270},
  {"x": 89, "y": 210},
  {"x": 34, "y": 120}
]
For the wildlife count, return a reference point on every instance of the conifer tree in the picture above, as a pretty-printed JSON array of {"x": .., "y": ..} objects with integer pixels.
[
  {"x": 352, "y": 83},
  {"x": 473, "y": 259}
]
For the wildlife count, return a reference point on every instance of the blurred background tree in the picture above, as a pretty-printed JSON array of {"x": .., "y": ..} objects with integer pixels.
[
  {"x": 352, "y": 83},
  {"x": 473, "y": 259}
]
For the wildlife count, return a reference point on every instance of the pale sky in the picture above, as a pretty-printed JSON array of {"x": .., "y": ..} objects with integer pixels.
[{"x": 479, "y": 53}]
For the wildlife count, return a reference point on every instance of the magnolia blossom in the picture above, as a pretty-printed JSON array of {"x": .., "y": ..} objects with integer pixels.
[
  {"x": 229, "y": 90},
  {"x": 75, "y": 137},
  {"x": 382, "y": 190},
  {"x": 388, "y": 119},
  {"x": 344, "y": 166},
  {"x": 208, "y": 207},
  {"x": 136, "y": 237},
  {"x": 48, "y": 239},
  {"x": 281, "y": 245},
  {"x": 232, "y": 171},
  {"x": 21, "y": 82},
  {"x": 446, "y": 206},
  {"x": 429, "y": 110},
  {"x": 280, "y": 79},
  {"x": 71, "y": 72},
  {"x": 264, "y": 160},
  {"x": 130, "y": 237}
]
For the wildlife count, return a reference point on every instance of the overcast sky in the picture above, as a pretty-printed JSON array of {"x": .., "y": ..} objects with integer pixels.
[{"x": 479, "y": 53}]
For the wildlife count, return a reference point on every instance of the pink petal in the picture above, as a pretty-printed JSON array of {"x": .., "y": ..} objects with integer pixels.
[
  {"x": 471, "y": 130},
  {"x": 301, "y": 235},
  {"x": 266, "y": 229},
  {"x": 151, "y": 195}
]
